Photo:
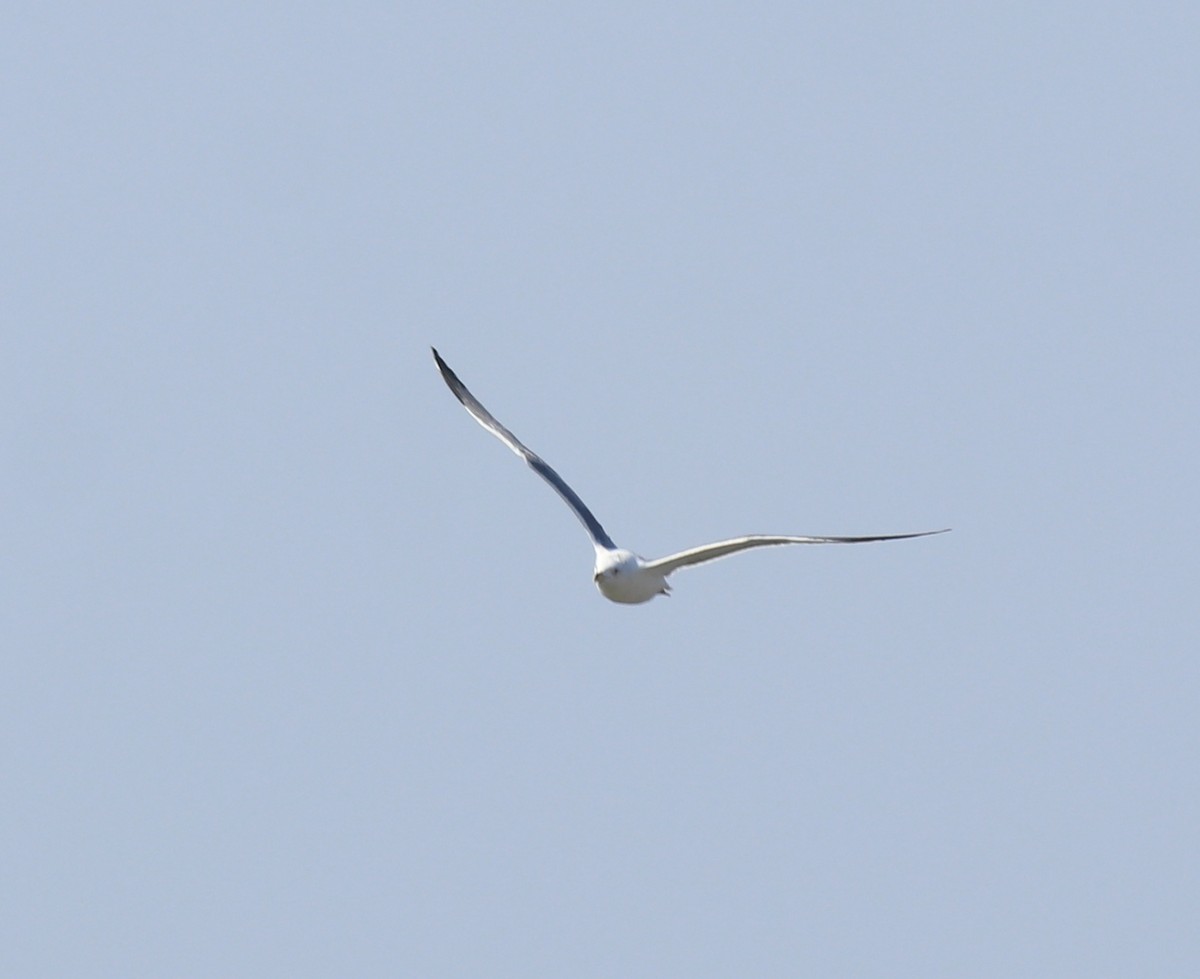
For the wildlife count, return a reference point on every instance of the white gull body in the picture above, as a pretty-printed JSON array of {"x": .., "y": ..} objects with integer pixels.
[{"x": 621, "y": 575}]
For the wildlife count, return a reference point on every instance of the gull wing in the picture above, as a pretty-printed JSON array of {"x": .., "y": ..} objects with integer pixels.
[
  {"x": 710, "y": 552},
  {"x": 532, "y": 459}
]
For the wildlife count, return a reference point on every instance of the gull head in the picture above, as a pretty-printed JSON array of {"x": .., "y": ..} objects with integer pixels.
[{"x": 623, "y": 577}]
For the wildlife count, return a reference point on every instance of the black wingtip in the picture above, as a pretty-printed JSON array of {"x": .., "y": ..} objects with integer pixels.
[
  {"x": 442, "y": 365},
  {"x": 457, "y": 388}
]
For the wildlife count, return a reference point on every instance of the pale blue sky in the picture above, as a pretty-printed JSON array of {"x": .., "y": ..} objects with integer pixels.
[{"x": 305, "y": 675}]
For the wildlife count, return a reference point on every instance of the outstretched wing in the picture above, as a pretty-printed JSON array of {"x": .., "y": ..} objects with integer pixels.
[
  {"x": 534, "y": 461},
  {"x": 710, "y": 552}
]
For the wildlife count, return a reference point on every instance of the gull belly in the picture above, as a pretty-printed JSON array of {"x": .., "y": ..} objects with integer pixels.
[{"x": 623, "y": 577}]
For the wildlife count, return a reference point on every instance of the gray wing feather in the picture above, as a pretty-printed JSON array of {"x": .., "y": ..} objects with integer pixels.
[
  {"x": 711, "y": 552},
  {"x": 532, "y": 459}
]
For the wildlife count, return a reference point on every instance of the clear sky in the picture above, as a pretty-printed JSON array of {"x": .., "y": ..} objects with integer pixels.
[{"x": 305, "y": 675}]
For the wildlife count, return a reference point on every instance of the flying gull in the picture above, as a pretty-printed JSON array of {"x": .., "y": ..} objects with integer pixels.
[{"x": 621, "y": 575}]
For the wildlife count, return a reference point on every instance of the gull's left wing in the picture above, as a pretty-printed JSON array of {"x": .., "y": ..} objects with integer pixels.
[{"x": 720, "y": 549}]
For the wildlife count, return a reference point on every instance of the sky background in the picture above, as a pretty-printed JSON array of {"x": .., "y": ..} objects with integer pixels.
[{"x": 305, "y": 675}]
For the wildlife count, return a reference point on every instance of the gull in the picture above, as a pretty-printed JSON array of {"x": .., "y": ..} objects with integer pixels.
[{"x": 621, "y": 575}]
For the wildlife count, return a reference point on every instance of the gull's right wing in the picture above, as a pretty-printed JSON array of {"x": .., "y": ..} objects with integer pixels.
[{"x": 534, "y": 461}]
